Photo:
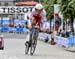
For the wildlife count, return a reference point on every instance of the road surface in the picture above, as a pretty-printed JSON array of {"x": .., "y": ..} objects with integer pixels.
[{"x": 15, "y": 49}]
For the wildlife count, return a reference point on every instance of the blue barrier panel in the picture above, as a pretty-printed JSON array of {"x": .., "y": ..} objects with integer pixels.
[
  {"x": 0, "y": 21},
  {"x": 0, "y": 28},
  {"x": 5, "y": 28},
  {"x": 12, "y": 29},
  {"x": 23, "y": 22},
  {"x": 71, "y": 41},
  {"x": 25, "y": 30},
  {"x": 19, "y": 29},
  {"x": 16, "y": 22},
  {"x": 6, "y": 21}
]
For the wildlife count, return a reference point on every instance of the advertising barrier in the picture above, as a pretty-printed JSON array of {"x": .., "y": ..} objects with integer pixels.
[
  {"x": 65, "y": 41},
  {"x": 71, "y": 41},
  {"x": 62, "y": 41},
  {"x": 5, "y": 20},
  {"x": 15, "y": 9},
  {"x": 0, "y": 20},
  {"x": 19, "y": 22},
  {"x": 6, "y": 28}
]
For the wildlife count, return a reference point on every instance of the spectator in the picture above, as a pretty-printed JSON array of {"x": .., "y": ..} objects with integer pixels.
[
  {"x": 16, "y": 22},
  {"x": 68, "y": 32},
  {"x": 57, "y": 22},
  {"x": 11, "y": 22},
  {"x": 28, "y": 23},
  {"x": 52, "y": 42},
  {"x": 46, "y": 27},
  {"x": 63, "y": 33}
]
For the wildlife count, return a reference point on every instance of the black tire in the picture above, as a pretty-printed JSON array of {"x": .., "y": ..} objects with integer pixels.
[
  {"x": 33, "y": 42},
  {"x": 2, "y": 48},
  {"x": 32, "y": 49},
  {"x": 26, "y": 48},
  {"x": 33, "y": 45}
]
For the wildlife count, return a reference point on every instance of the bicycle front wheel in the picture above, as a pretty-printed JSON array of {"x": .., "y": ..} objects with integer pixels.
[{"x": 32, "y": 49}]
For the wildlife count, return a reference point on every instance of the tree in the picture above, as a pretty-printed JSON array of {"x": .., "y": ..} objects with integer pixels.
[
  {"x": 67, "y": 7},
  {"x": 49, "y": 7}
]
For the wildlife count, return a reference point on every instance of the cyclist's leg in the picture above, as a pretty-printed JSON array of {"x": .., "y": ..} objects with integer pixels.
[
  {"x": 27, "y": 39},
  {"x": 30, "y": 39},
  {"x": 30, "y": 26},
  {"x": 36, "y": 34}
]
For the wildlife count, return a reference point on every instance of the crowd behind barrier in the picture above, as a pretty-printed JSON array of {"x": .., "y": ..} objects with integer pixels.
[
  {"x": 13, "y": 25},
  {"x": 19, "y": 27},
  {"x": 70, "y": 41},
  {"x": 62, "y": 41}
]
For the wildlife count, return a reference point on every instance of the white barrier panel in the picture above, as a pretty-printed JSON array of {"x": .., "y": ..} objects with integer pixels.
[
  {"x": 43, "y": 36},
  {"x": 61, "y": 41},
  {"x": 6, "y": 20}
]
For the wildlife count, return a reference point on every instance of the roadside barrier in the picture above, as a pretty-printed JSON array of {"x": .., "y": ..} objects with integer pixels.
[{"x": 12, "y": 29}]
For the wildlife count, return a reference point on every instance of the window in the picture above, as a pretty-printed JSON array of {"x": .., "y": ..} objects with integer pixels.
[
  {"x": 6, "y": 4},
  {"x": 0, "y": 4}
]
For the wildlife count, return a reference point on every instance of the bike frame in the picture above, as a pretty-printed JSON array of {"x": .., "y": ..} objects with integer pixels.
[{"x": 32, "y": 41}]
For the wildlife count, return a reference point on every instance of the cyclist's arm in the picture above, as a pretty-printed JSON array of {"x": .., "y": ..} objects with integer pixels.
[{"x": 31, "y": 19}]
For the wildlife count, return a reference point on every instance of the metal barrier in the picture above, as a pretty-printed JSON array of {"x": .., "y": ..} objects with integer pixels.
[
  {"x": 8, "y": 29},
  {"x": 71, "y": 41},
  {"x": 65, "y": 41}
]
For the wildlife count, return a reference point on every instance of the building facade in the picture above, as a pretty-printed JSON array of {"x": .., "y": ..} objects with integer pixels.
[
  {"x": 29, "y": 0},
  {"x": 11, "y": 3},
  {"x": 7, "y": 2}
]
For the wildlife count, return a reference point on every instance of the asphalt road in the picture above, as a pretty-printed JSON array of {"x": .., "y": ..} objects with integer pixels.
[{"x": 14, "y": 49}]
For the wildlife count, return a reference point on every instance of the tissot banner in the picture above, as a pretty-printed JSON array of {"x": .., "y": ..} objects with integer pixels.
[{"x": 15, "y": 9}]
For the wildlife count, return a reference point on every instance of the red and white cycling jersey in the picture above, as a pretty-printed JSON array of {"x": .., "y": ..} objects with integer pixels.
[{"x": 39, "y": 17}]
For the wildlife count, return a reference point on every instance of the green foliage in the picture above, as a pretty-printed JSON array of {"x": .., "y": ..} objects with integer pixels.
[
  {"x": 49, "y": 7},
  {"x": 68, "y": 8}
]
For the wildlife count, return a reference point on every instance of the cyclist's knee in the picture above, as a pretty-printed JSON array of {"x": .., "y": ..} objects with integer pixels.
[{"x": 29, "y": 26}]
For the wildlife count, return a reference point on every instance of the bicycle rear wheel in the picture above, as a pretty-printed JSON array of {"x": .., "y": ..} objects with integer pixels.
[{"x": 26, "y": 48}]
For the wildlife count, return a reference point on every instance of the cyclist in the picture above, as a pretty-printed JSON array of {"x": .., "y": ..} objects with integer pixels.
[{"x": 37, "y": 17}]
